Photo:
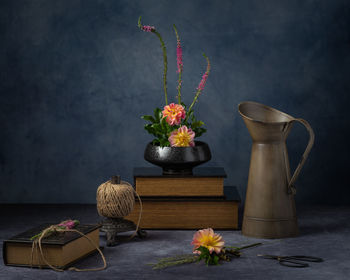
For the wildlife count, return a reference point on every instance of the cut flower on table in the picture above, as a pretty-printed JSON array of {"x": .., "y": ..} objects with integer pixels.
[{"x": 208, "y": 246}]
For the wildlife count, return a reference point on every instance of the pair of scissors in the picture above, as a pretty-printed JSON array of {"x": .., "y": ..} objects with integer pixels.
[{"x": 293, "y": 261}]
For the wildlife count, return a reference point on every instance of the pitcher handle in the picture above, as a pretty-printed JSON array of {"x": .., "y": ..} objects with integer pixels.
[{"x": 291, "y": 187}]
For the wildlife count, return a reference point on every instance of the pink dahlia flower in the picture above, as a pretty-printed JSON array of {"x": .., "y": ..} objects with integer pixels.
[
  {"x": 207, "y": 238},
  {"x": 174, "y": 113},
  {"x": 182, "y": 137}
]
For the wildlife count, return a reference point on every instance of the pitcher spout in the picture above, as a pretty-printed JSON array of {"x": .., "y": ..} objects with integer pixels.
[{"x": 265, "y": 123}]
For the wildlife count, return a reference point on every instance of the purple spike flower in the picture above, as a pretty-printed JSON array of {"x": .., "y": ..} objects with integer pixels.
[
  {"x": 148, "y": 28},
  {"x": 204, "y": 78},
  {"x": 179, "y": 57}
]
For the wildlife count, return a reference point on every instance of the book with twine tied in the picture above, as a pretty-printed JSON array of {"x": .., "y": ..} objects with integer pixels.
[{"x": 61, "y": 249}]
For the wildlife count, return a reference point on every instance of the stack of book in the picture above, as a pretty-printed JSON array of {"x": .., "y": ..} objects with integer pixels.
[{"x": 192, "y": 201}]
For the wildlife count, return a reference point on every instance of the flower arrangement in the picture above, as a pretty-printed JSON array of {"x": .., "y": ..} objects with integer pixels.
[
  {"x": 64, "y": 225},
  {"x": 175, "y": 125},
  {"x": 207, "y": 246}
]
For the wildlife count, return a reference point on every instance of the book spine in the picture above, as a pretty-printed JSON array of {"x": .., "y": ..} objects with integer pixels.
[
  {"x": 179, "y": 187},
  {"x": 4, "y": 252},
  {"x": 187, "y": 214}
]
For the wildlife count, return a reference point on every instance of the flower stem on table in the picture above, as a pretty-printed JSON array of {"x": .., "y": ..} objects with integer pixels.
[{"x": 172, "y": 261}]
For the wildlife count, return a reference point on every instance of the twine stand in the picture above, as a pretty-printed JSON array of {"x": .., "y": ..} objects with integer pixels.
[{"x": 116, "y": 200}]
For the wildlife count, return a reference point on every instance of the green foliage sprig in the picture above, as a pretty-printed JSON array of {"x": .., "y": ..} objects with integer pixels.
[
  {"x": 158, "y": 127},
  {"x": 213, "y": 258}
]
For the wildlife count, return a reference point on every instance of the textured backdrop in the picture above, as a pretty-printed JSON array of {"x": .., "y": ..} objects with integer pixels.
[{"x": 75, "y": 77}]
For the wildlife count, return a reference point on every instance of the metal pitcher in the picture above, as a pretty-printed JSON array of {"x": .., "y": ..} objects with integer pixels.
[{"x": 269, "y": 210}]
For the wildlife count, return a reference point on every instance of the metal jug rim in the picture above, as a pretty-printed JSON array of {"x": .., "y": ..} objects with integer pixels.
[{"x": 268, "y": 108}]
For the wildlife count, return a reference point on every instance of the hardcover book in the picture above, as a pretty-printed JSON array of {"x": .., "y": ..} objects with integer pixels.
[
  {"x": 217, "y": 212},
  {"x": 60, "y": 249},
  {"x": 205, "y": 181}
]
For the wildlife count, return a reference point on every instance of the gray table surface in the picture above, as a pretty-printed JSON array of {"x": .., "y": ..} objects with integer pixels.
[{"x": 324, "y": 232}]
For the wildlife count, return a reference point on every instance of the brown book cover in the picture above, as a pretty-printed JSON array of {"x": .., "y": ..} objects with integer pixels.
[
  {"x": 60, "y": 249},
  {"x": 207, "y": 181},
  {"x": 189, "y": 212}
]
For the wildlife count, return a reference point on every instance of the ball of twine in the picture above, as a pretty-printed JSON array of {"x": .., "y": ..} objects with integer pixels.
[{"x": 115, "y": 200}]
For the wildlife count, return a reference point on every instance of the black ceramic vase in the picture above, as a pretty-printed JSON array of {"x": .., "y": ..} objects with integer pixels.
[{"x": 178, "y": 160}]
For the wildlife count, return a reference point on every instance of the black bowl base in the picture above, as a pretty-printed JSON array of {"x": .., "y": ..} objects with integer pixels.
[{"x": 168, "y": 171}]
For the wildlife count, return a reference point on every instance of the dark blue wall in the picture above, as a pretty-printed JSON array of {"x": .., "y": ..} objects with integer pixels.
[{"x": 75, "y": 77}]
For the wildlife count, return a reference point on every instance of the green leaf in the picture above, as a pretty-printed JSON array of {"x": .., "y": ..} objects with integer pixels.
[
  {"x": 209, "y": 259},
  {"x": 196, "y": 124},
  {"x": 199, "y": 131},
  {"x": 139, "y": 22},
  {"x": 148, "y": 118},
  {"x": 158, "y": 114},
  {"x": 157, "y": 127},
  {"x": 203, "y": 249},
  {"x": 189, "y": 115},
  {"x": 193, "y": 118},
  {"x": 215, "y": 260},
  {"x": 163, "y": 122},
  {"x": 185, "y": 122},
  {"x": 164, "y": 143},
  {"x": 150, "y": 129}
]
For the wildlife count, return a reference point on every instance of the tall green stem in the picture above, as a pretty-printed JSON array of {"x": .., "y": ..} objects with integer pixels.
[
  {"x": 179, "y": 89},
  {"x": 165, "y": 60},
  {"x": 194, "y": 100}
]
